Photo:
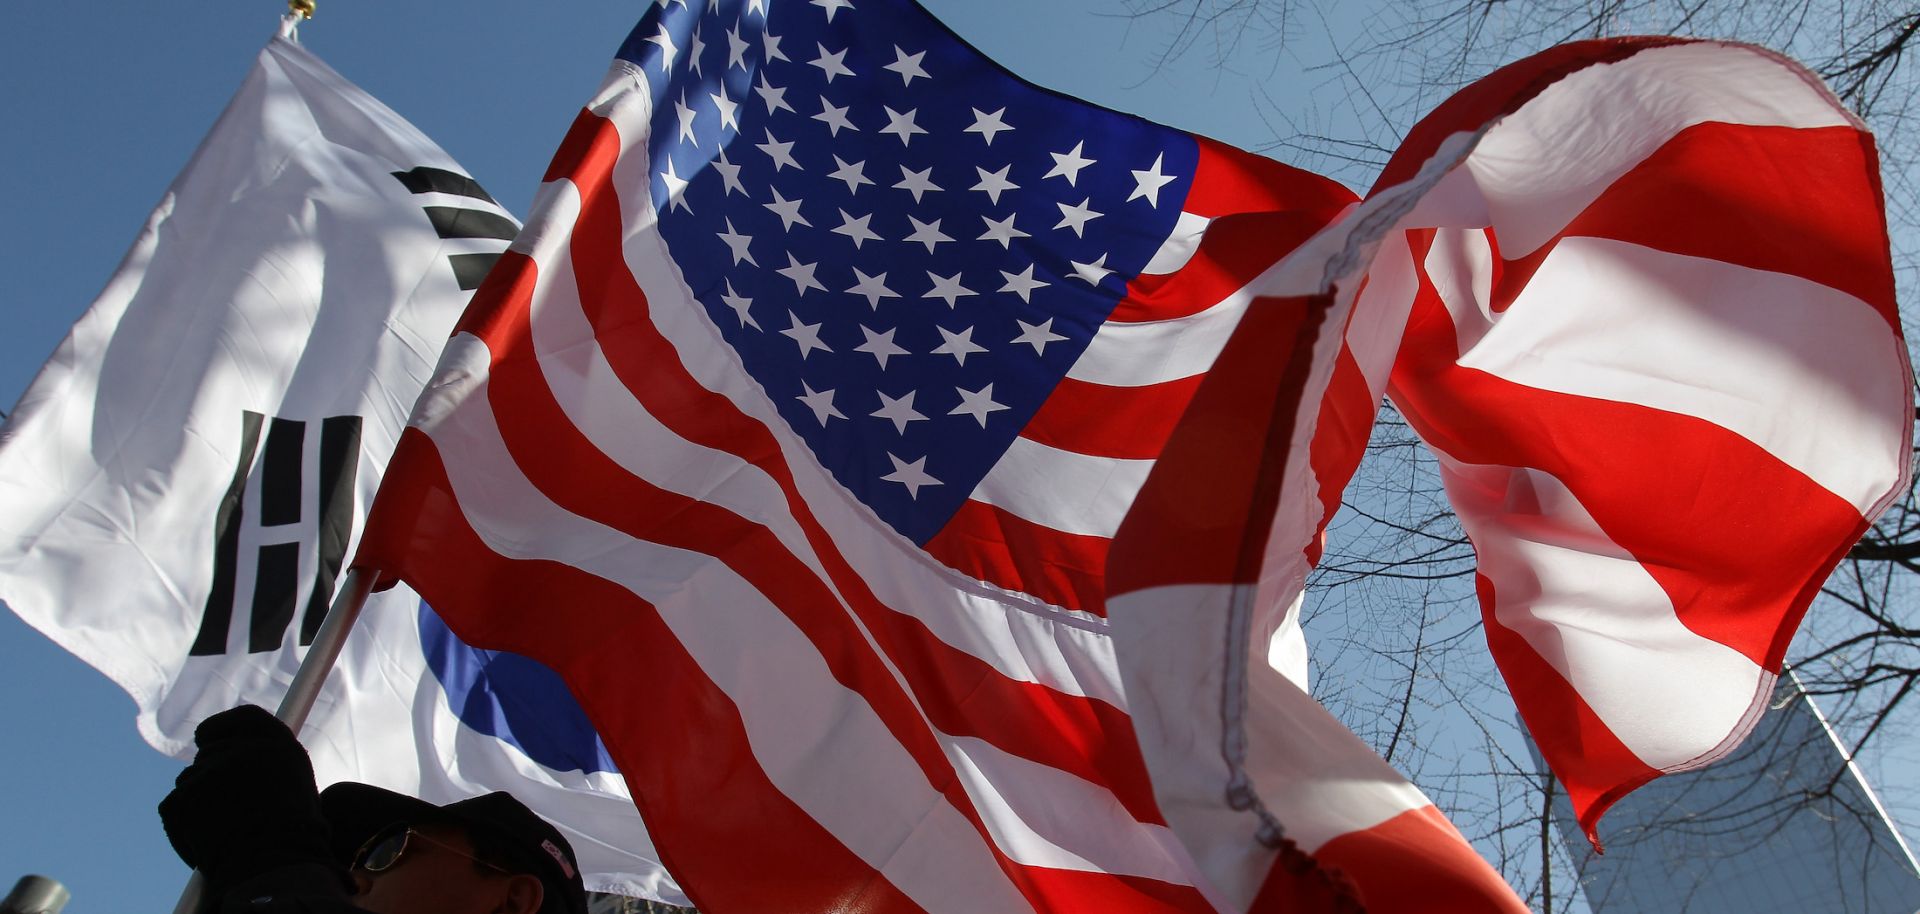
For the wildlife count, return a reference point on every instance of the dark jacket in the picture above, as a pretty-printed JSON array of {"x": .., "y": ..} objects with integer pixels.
[{"x": 246, "y": 815}]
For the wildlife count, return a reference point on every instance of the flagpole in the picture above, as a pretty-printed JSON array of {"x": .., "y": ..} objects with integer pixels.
[{"x": 305, "y": 688}]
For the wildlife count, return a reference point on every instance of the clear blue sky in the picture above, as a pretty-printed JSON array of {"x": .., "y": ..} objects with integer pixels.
[{"x": 103, "y": 102}]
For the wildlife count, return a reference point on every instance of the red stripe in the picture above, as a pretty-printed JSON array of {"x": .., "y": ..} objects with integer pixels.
[
  {"x": 1232, "y": 253},
  {"x": 986, "y": 542},
  {"x": 729, "y": 835},
  {"x": 590, "y": 146},
  {"x": 1787, "y": 200},
  {"x": 1228, "y": 180},
  {"x": 1110, "y": 893},
  {"x": 1130, "y": 423},
  {"x": 1594, "y": 766},
  {"x": 1415, "y": 863},
  {"x": 1340, "y": 437},
  {"x": 1204, "y": 513},
  {"x": 1296, "y": 881}
]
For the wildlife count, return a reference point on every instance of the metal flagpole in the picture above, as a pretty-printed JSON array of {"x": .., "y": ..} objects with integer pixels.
[{"x": 305, "y": 687}]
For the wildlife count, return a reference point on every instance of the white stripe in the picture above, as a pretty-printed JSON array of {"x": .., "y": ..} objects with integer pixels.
[
  {"x": 1179, "y": 246},
  {"x": 1592, "y": 612},
  {"x": 1380, "y": 317},
  {"x": 1042, "y": 816},
  {"x": 1062, "y": 490},
  {"x": 818, "y": 742},
  {"x": 1459, "y": 266},
  {"x": 1544, "y": 164},
  {"x": 1764, "y": 355},
  {"x": 1154, "y": 352}
]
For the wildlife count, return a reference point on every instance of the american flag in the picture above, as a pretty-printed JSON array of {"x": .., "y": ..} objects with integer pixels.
[
  {"x": 1654, "y": 343},
  {"x": 799, "y": 425},
  {"x": 793, "y": 432}
]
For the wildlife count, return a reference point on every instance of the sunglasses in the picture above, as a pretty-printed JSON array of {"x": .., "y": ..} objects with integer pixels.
[{"x": 386, "y": 847}]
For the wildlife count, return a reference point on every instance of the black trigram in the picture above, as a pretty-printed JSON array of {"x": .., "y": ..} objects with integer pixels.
[
  {"x": 459, "y": 222},
  {"x": 284, "y": 524}
]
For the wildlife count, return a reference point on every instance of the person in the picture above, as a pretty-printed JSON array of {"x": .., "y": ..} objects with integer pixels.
[{"x": 246, "y": 814}]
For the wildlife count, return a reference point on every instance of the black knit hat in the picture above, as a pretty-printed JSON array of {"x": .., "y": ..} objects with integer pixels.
[{"x": 356, "y": 812}]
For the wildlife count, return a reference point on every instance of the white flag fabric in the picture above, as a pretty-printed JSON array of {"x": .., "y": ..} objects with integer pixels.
[{"x": 186, "y": 475}]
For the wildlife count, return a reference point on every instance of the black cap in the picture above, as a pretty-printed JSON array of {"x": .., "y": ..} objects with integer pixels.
[{"x": 356, "y": 812}]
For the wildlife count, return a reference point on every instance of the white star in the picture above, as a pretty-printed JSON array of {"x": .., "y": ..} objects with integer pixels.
[
  {"x": 686, "y": 116},
  {"x": 917, "y": 181},
  {"x": 1076, "y": 217},
  {"x": 1002, "y": 231},
  {"x": 912, "y": 475},
  {"x": 898, "y": 411},
  {"x": 880, "y": 346},
  {"x": 851, "y": 172},
  {"x": 947, "y": 287},
  {"x": 740, "y": 305},
  {"x": 737, "y": 243},
  {"x": 821, "y": 402},
  {"x": 676, "y": 190},
  {"x": 835, "y": 118},
  {"x": 807, "y": 335},
  {"x": 728, "y": 108},
  {"x": 667, "y": 49},
  {"x": 833, "y": 6},
  {"x": 772, "y": 43},
  {"x": 994, "y": 182},
  {"x": 901, "y": 124},
  {"x": 1091, "y": 273},
  {"x": 801, "y": 274},
  {"x": 1068, "y": 164},
  {"x": 1022, "y": 283},
  {"x": 757, "y": 6},
  {"x": 787, "y": 210},
  {"x": 1037, "y": 335},
  {"x": 927, "y": 233},
  {"x": 774, "y": 96},
  {"x": 907, "y": 65},
  {"x": 833, "y": 64},
  {"x": 976, "y": 403},
  {"x": 729, "y": 173},
  {"x": 780, "y": 153},
  {"x": 699, "y": 48},
  {"x": 959, "y": 345},
  {"x": 988, "y": 124},
  {"x": 736, "y": 49},
  {"x": 856, "y": 229},
  {"x": 873, "y": 288},
  {"x": 1148, "y": 183}
]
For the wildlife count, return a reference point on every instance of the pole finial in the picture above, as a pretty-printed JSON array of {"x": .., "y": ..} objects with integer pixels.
[{"x": 301, "y": 8}]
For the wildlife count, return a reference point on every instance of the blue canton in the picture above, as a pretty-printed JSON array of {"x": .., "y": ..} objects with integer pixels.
[{"x": 907, "y": 245}]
